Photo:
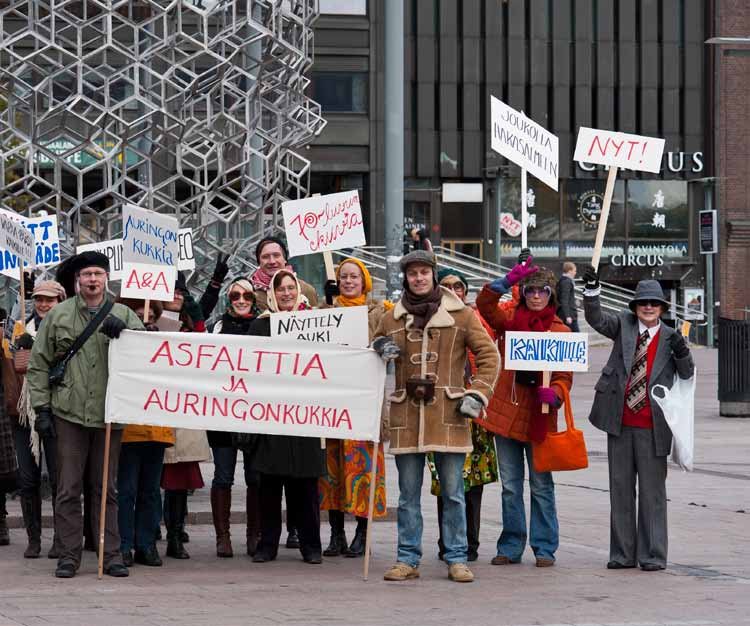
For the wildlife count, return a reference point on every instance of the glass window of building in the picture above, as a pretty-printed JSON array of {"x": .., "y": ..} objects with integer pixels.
[
  {"x": 543, "y": 206},
  {"x": 581, "y": 212},
  {"x": 341, "y": 92},
  {"x": 343, "y": 7},
  {"x": 658, "y": 218}
]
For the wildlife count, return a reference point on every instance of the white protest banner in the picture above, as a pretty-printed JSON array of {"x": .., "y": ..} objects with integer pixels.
[
  {"x": 526, "y": 143},
  {"x": 17, "y": 240},
  {"x": 149, "y": 254},
  {"x": 323, "y": 223},
  {"x": 46, "y": 242},
  {"x": 633, "y": 152},
  {"x": 112, "y": 249},
  {"x": 615, "y": 150},
  {"x": 567, "y": 352},
  {"x": 240, "y": 383},
  {"x": 345, "y": 326}
]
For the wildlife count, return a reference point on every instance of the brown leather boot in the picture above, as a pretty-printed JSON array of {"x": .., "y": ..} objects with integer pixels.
[
  {"x": 221, "y": 506},
  {"x": 252, "y": 506}
]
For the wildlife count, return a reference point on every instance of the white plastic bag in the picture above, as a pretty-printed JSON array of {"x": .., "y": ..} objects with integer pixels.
[{"x": 678, "y": 406}]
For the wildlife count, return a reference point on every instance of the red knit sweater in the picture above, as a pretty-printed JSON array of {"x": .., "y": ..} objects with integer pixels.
[{"x": 643, "y": 418}]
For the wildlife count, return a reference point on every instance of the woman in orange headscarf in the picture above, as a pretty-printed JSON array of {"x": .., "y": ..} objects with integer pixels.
[{"x": 346, "y": 486}]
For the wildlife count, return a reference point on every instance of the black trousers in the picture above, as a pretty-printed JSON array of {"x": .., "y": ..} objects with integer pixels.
[
  {"x": 302, "y": 505},
  {"x": 29, "y": 473},
  {"x": 473, "y": 499}
]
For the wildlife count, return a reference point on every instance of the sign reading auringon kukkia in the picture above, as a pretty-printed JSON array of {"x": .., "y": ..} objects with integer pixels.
[
  {"x": 323, "y": 223},
  {"x": 245, "y": 384},
  {"x": 149, "y": 254},
  {"x": 566, "y": 352}
]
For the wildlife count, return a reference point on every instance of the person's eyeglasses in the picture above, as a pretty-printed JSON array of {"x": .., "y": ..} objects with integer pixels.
[
  {"x": 652, "y": 303},
  {"x": 530, "y": 292},
  {"x": 245, "y": 295},
  {"x": 458, "y": 286},
  {"x": 92, "y": 274}
]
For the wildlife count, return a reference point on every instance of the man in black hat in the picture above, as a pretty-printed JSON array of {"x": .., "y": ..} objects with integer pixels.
[
  {"x": 646, "y": 352},
  {"x": 73, "y": 408}
]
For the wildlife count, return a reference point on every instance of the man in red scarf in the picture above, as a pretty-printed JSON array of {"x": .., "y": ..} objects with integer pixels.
[{"x": 514, "y": 413}]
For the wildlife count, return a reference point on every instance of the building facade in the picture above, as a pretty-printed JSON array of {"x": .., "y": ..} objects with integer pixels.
[{"x": 639, "y": 67}]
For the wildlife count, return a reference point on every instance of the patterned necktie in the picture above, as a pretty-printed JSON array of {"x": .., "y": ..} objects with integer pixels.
[{"x": 636, "y": 399}]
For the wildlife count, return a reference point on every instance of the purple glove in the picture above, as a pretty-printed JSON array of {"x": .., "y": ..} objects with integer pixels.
[
  {"x": 521, "y": 271},
  {"x": 546, "y": 395}
]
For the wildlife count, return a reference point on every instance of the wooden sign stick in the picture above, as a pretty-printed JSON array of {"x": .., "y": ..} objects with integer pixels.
[
  {"x": 103, "y": 507},
  {"x": 604, "y": 216},
  {"x": 546, "y": 376},
  {"x": 146, "y": 307},
  {"x": 22, "y": 298},
  {"x": 524, "y": 211},
  {"x": 371, "y": 506}
]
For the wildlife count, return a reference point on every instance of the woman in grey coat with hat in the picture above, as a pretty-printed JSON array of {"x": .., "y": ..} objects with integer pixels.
[{"x": 646, "y": 352}]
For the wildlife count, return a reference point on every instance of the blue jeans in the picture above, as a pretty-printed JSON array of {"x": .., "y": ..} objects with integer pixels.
[
  {"x": 450, "y": 467},
  {"x": 544, "y": 533},
  {"x": 225, "y": 460},
  {"x": 138, "y": 494}
]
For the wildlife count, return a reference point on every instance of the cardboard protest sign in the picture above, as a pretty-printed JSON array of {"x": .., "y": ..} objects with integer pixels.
[
  {"x": 240, "y": 383},
  {"x": 46, "y": 242},
  {"x": 344, "y": 326},
  {"x": 17, "y": 240},
  {"x": 567, "y": 352},
  {"x": 323, "y": 223},
  {"x": 149, "y": 254},
  {"x": 633, "y": 152},
  {"x": 525, "y": 143},
  {"x": 112, "y": 249}
]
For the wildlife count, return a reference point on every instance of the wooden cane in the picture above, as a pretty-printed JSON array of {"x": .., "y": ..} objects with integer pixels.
[
  {"x": 604, "y": 216},
  {"x": 371, "y": 505},
  {"x": 103, "y": 506}
]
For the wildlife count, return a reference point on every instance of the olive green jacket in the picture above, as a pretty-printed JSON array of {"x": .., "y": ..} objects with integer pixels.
[{"x": 80, "y": 397}]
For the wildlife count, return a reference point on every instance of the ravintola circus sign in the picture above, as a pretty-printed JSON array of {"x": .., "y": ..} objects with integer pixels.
[{"x": 245, "y": 384}]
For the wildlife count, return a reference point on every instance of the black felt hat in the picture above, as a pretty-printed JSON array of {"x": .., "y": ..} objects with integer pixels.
[{"x": 90, "y": 258}]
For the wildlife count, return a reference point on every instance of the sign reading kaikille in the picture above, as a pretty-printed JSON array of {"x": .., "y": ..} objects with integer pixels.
[
  {"x": 46, "y": 242},
  {"x": 633, "y": 152},
  {"x": 240, "y": 383},
  {"x": 149, "y": 254},
  {"x": 112, "y": 249},
  {"x": 525, "y": 142},
  {"x": 344, "y": 325},
  {"x": 17, "y": 240},
  {"x": 567, "y": 352},
  {"x": 323, "y": 223}
]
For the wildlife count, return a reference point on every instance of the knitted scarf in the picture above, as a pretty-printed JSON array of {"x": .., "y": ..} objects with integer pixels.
[
  {"x": 262, "y": 280},
  {"x": 422, "y": 307}
]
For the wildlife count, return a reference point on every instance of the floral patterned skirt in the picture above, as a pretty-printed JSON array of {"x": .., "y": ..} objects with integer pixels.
[
  {"x": 480, "y": 467},
  {"x": 346, "y": 485}
]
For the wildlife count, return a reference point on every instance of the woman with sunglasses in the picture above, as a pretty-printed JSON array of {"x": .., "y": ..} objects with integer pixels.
[
  {"x": 515, "y": 415},
  {"x": 238, "y": 316},
  {"x": 346, "y": 486}
]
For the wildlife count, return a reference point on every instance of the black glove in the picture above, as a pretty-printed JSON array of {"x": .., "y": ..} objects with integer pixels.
[
  {"x": 28, "y": 283},
  {"x": 331, "y": 289},
  {"x": 192, "y": 308},
  {"x": 221, "y": 270},
  {"x": 45, "y": 424},
  {"x": 525, "y": 254},
  {"x": 679, "y": 345},
  {"x": 25, "y": 342},
  {"x": 386, "y": 348},
  {"x": 112, "y": 327},
  {"x": 591, "y": 277}
]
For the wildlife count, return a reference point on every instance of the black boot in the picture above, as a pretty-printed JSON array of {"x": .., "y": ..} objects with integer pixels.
[
  {"x": 173, "y": 521},
  {"x": 31, "y": 507},
  {"x": 252, "y": 508},
  {"x": 360, "y": 536},
  {"x": 4, "y": 532},
  {"x": 338, "y": 544}
]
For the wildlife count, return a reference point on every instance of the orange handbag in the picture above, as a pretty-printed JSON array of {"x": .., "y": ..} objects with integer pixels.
[{"x": 564, "y": 450}]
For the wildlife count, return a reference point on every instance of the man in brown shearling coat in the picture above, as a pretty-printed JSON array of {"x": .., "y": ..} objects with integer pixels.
[{"x": 429, "y": 333}]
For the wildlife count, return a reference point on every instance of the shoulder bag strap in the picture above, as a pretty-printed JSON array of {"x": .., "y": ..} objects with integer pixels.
[{"x": 88, "y": 331}]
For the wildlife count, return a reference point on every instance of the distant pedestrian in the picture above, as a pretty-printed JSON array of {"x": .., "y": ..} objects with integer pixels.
[
  {"x": 566, "y": 297},
  {"x": 420, "y": 239},
  {"x": 646, "y": 352}
]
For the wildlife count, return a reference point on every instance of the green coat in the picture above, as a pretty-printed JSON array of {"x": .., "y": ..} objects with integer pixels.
[{"x": 80, "y": 397}]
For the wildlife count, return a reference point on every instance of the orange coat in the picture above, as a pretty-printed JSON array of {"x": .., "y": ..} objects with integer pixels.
[
  {"x": 512, "y": 406},
  {"x": 135, "y": 433}
]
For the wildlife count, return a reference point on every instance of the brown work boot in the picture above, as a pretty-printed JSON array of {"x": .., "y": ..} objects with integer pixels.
[
  {"x": 221, "y": 506},
  {"x": 401, "y": 571},
  {"x": 542, "y": 562},
  {"x": 460, "y": 573},
  {"x": 501, "y": 559}
]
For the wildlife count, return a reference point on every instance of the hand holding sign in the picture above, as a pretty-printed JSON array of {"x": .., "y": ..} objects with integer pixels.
[{"x": 616, "y": 150}]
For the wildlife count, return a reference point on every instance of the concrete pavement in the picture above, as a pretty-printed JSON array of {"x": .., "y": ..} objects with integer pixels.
[{"x": 707, "y": 582}]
